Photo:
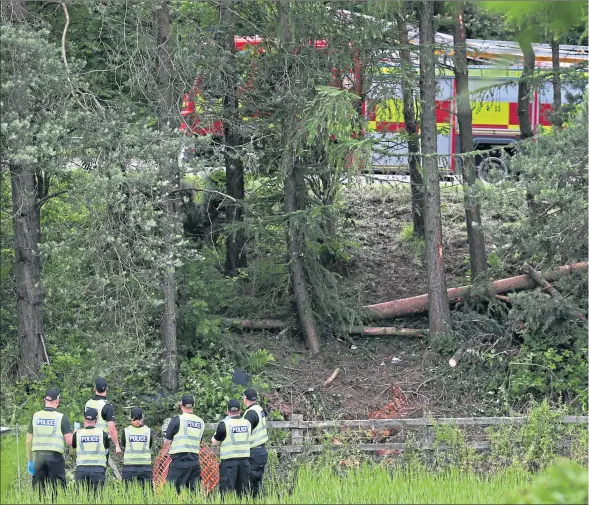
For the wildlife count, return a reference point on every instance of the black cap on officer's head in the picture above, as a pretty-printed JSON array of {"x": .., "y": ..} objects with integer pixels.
[
  {"x": 51, "y": 395},
  {"x": 91, "y": 414},
  {"x": 101, "y": 385},
  {"x": 188, "y": 401},
  {"x": 251, "y": 395},
  {"x": 136, "y": 414},
  {"x": 233, "y": 406}
]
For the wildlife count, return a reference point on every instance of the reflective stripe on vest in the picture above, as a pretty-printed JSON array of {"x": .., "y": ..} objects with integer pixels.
[
  {"x": 237, "y": 438},
  {"x": 47, "y": 435},
  {"x": 90, "y": 449},
  {"x": 137, "y": 451},
  {"x": 101, "y": 424},
  {"x": 260, "y": 433},
  {"x": 189, "y": 435}
]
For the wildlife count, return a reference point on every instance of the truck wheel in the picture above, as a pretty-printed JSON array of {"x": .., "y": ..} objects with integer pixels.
[{"x": 492, "y": 171}]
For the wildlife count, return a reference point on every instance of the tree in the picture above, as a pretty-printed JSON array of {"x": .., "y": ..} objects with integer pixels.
[
  {"x": 474, "y": 224},
  {"x": 409, "y": 118},
  {"x": 169, "y": 225},
  {"x": 439, "y": 309},
  {"x": 235, "y": 256},
  {"x": 36, "y": 117}
]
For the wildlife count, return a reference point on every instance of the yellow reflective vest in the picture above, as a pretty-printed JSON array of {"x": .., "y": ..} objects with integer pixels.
[
  {"x": 47, "y": 435},
  {"x": 189, "y": 435},
  {"x": 260, "y": 433},
  {"x": 101, "y": 424},
  {"x": 90, "y": 449},
  {"x": 237, "y": 438},
  {"x": 137, "y": 450}
]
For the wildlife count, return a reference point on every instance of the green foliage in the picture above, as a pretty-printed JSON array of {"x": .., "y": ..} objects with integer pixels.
[
  {"x": 258, "y": 360},
  {"x": 563, "y": 482}
]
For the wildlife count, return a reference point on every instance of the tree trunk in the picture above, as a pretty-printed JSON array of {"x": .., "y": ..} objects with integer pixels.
[
  {"x": 26, "y": 219},
  {"x": 474, "y": 223},
  {"x": 439, "y": 309},
  {"x": 235, "y": 257},
  {"x": 169, "y": 223},
  {"x": 556, "y": 118},
  {"x": 415, "y": 177},
  {"x": 293, "y": 187},
  {"x": 294, "y": 193},
  {"x": 525, "y": 88},
  {"x": 29, "y": 295}
]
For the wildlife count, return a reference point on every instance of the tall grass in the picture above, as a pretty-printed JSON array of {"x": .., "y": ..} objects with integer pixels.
[{"x": 321, "y": 484}]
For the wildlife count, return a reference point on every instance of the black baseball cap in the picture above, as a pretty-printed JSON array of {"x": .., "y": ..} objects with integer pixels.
[
  {"x": 251, "y": 395},
  {"x": 51, "y": 394},
  {"x": 91, "y": 414},
  {"x": 233, "y": 406},
  {"x": 101, "y": 384},
  {"x": 136, "y": 413},
  {"x": 187, "y": 401}
]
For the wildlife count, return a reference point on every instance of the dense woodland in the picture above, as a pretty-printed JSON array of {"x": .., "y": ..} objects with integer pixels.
[{"x": 122, "y": 260}]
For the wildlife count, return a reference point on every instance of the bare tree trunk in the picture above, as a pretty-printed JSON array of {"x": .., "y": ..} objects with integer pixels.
[
  {"x": 474, "y": 223},
  {"x": 169, "y": 289},
  {"x": 294, "y": 196},
  {"x": 415, "y": 177},
  {"x": 29, "y": 295},
  {"x": 525, "y": 88},
  {"x": 234, "y": 172},
  {"x": 439, "y": 308},
  {"x": 556, "y": 118}
]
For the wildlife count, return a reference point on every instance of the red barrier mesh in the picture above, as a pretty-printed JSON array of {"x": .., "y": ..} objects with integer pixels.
[{"x": 209, "y": 469}]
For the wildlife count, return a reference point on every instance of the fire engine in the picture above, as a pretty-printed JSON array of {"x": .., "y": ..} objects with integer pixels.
[{"x": 494, "y": 69}]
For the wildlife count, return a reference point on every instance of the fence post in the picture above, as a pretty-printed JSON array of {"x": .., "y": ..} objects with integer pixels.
[{"x": 297, "y": 433}]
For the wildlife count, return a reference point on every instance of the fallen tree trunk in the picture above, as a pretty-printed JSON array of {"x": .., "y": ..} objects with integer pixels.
[
  {"x": 537, "y": 276},
  {"x": 417, "y": 304},
  {"x": 386, "y": 331},
  {"x": 256, "y": 324}
]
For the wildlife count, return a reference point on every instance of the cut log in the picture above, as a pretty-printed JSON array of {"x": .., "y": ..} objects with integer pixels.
[
  {"x": 503, "y": 298},
  {"x": 256, "y": 324},
  {"x": 537, "y": 276},
  {"x": 417, "y": 304},
  {"x": 457, "y": 355},
  {"x": 386, "y": 331}
]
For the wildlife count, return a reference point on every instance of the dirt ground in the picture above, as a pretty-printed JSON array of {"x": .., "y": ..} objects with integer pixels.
[{"x": 379, "y": 377}]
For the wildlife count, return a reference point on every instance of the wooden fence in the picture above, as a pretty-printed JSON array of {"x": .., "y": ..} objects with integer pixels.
[{"x": 301, "y": 431}]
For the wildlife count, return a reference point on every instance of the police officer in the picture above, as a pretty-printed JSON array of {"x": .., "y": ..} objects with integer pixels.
[
  {"x": 47, "y": 435},
  {"x": 182, "y": 441},
  {"x": 258, "y": 453},
  {"x": 106, "y": 411},
  {"x": 233, "y": 434},
  {"x": 91, "y": 444},
  {"x": 137, "y": 443}
]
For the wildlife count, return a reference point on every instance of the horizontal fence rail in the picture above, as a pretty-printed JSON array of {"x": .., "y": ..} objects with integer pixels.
[{"x": 298, "y": 427}]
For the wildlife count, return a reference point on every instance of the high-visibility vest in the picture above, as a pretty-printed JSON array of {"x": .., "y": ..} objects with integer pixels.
[
  {"x": 90, "y": 449},
  {"x": 237, "y": 439},
  {"x": 137, "y": 450},
  {"x": 259, "y": 433},
  {"x": 47, "y": 435},
  {"x": 189, "y": 435},
  {"x": 101, "y": 424}
]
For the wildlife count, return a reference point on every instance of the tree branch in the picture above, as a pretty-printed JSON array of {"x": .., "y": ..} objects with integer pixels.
[
  {"x": 63, "y": 35},
  {"x": 48, "y": 197},
  {"x": 202, "y": 190}
]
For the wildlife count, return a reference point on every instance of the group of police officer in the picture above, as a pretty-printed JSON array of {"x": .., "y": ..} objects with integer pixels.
[{"x": 241, "y": 439}]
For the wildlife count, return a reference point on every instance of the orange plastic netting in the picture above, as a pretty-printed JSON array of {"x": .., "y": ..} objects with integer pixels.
[{"x": 209, "y": 469}]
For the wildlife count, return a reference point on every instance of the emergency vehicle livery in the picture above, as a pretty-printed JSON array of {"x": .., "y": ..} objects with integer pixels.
[{"x": 494, "y": 70}]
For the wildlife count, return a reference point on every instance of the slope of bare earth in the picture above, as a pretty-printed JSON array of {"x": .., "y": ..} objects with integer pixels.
[{"x": 379, "y": 377}]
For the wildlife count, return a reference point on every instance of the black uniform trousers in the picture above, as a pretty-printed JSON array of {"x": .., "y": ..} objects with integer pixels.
[
  {"x": 142, "y": 474},
  {"x": 258, "y": 459},
  {"x": 234, "y": 475},
  {"x": 49, "y": 469},
  {"x": 92, "y": 477},
  {"x": 184, "y": 473}
]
